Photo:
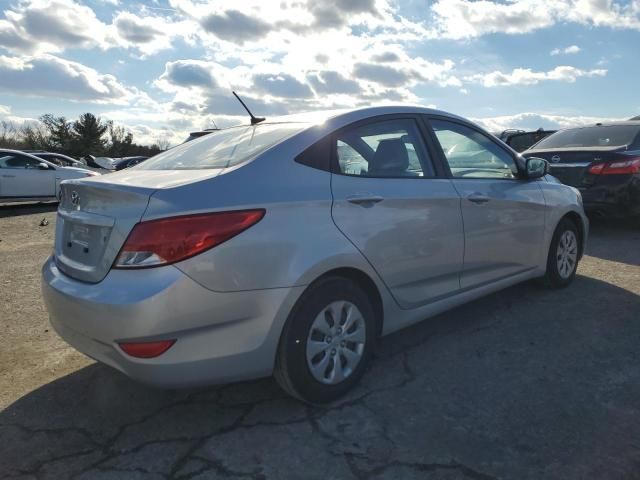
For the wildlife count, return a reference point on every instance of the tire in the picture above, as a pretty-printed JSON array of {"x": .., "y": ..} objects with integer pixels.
[
  {"x": 310, "y": 340},
  {"x": 563, "y": 257}
]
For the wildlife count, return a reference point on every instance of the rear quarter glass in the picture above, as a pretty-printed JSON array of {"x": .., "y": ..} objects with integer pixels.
[{"x": 224, "y": 148}]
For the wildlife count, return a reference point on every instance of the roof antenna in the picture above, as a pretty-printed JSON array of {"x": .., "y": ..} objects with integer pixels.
[{"x": 254, "y": 119}]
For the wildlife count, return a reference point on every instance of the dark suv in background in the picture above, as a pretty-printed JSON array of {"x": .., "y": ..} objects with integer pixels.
[
  {"x": 520, "y": 140},
  {"x": 602, "y": 161}
]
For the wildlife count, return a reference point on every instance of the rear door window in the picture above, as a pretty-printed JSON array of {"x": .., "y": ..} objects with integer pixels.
[{"x": 388, "y": 148}]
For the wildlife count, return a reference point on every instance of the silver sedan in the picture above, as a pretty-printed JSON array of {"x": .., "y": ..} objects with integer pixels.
[{"x": 289, "y": 246}]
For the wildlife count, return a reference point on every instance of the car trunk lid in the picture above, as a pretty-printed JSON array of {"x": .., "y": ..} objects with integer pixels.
[{"x": 95, "y": 217}]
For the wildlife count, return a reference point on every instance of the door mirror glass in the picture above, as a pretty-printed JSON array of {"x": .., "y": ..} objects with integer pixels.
[{"x": 536, "y": 167}]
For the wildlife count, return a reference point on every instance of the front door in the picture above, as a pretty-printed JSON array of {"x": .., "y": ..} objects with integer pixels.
[
  {"x": 503, "y": 214},
  {"x": 21, "y": 176},
  {"x": 390, "y": 203}
]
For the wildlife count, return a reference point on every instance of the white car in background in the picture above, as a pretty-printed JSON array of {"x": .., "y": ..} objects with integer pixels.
[{"x": 25, "y": 177}]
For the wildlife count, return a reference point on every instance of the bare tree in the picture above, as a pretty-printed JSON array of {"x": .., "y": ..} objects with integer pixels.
[
  {"x": 120, "y": 140},
  {"x": 163, "y": 144},
  {"x": 35, "y": 137},
  {"x": 9, "y": 135}
]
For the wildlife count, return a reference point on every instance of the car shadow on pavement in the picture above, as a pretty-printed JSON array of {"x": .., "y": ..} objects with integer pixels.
[
  {"x": 15, "y": 210},
  {"x": 615, "y": 240},
  {"x": 524, "y": 383}
]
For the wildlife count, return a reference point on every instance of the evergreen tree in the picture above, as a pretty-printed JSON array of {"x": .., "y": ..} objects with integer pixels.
[{"x": 88, "y": 132}]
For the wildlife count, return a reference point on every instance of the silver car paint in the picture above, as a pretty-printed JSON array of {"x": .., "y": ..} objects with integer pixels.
[
  {"x": 227, "y": 306},
  {"x": 413, "y": 237},
  {"x": 502, "y": 234}
]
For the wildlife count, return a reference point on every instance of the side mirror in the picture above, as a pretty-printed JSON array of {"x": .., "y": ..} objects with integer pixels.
[
  {"x": 43, "y": 166},
  {"x": 536, "y": 167}
]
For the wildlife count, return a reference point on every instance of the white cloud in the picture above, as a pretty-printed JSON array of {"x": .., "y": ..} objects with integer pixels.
[
  {"x": 42, "y": 26},
  {"x": 533, "y": 121},
  {"x": 526, "y": 76},
  {"x": 460, "y": 19},
  {"x": 150, "y": 34},
  {"x": 566, "y": 51},
  {"x": 38, "y": 26},
  {"x": 48, "y": 75}
]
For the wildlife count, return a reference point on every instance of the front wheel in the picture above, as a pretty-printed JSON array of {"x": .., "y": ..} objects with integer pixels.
[
  {"x": 327, "y": 341},
  {"x": 562, "y": 261}
]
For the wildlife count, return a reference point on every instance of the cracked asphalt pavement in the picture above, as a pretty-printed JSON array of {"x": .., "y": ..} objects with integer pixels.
[{"x": 527, "y": 383}]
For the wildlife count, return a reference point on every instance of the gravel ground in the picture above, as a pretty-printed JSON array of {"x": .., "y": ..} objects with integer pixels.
[{"x": 524, "y": 384}]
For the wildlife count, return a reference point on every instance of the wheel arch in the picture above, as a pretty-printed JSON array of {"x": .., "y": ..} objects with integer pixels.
[
  {"x": 364, "y": 281},
  {"x": 579, "y": 222}
]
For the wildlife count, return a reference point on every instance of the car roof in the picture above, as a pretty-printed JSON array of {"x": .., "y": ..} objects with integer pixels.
[
  {"x": 9, "y": 150},
  {"x": 21, "y": 152},
  {"x": 635, "y": 123},
  {"x": 355, "y": 114}
]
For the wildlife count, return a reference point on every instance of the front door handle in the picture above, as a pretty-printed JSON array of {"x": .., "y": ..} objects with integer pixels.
[
  {"x": 8, "y": 176},
  {"x": 478, "y": 198},
  {"x": 365, "y": 200}
]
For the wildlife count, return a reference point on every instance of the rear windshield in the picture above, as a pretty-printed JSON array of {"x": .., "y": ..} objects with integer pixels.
[
  {"x": 602, "y": 136},
  {"x": 222, "y": 149}
]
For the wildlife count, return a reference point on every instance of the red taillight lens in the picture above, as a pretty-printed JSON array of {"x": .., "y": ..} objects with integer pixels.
[
  {"x": 596, "y": 168},
  {"x": 169, "y": 240},
  {"x": 146, "y": 349},
  {"x": 622, "y": 167}
]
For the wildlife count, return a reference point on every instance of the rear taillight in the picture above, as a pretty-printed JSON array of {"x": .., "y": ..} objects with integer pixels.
[
  {"x": 146, "y": 349},
  {"x": 596, "y": 168},
  {"x": 621, "y": 167},
  {"x": 170, "y": 240}
]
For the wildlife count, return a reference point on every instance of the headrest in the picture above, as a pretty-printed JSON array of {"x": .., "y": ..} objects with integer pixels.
[{"x": 391, "y": 158}]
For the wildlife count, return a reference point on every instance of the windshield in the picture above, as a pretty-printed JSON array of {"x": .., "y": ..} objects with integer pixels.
[
  {"x": 222, "y": 149},
  {"x": 599, "y": 136}
]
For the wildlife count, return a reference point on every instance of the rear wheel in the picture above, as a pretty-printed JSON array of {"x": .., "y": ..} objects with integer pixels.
[
  {"x": 562, "y": 261},
  {"x": 327, "y": 341}
]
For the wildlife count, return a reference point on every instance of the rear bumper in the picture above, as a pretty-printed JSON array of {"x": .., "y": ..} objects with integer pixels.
[
  {"x": 613, "y": 196},
  {"x": 220, "y": 337}
]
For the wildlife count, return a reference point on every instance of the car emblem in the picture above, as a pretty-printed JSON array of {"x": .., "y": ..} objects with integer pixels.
[
  {"x": 555, "y": 159},
  {"x": 75, "y": 198}
]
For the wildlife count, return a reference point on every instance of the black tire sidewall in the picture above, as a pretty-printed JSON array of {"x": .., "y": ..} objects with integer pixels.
[
  {"x": 553, "y": 277},
  {"x": 292, "y": 350}
]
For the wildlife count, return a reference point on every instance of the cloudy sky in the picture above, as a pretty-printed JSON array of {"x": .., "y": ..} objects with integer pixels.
[{"x": 165, "y": 67}]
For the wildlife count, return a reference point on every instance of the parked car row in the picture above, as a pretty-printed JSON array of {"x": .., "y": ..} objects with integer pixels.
[
  {"x": 118, "y": 163},
  {"x": 27, "y": 177},
  {"x": 34, "y": 175}
]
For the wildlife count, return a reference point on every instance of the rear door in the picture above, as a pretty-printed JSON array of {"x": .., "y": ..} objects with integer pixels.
[
  {"x": 394, "y": 207},
  {"x": 21, "y": 176},
  {"x": 504, "y": 216}
]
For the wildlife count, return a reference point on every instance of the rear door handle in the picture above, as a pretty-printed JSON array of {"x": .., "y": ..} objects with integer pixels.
[
  {"x": 365, "y": 200},
  {"x": 478, "y": 198},
  {"x": 8, "y": 176}
]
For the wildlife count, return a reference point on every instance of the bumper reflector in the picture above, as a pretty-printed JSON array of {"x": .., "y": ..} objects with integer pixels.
[{"x": 146, "y": 349}]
